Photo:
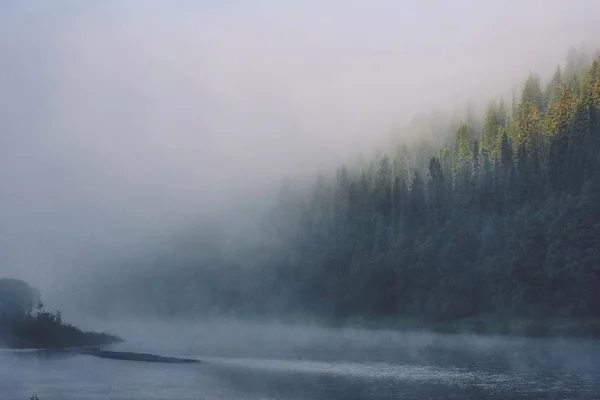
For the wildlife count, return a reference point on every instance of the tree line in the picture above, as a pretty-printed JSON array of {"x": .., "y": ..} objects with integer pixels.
[
  {"x": 500, "y": 217},
  {"x": 503, "y": 218}
]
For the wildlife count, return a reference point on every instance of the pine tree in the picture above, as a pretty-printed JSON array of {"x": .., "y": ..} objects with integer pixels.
[
  {"x": 437, "y": 193},
  {"x": 415, "y": 217}
]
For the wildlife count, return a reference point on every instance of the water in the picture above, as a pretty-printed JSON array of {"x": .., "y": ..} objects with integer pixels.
[{"x": 274, "y": 362}]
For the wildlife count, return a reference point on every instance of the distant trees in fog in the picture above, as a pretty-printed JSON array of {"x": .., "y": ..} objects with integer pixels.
[{"x": 504, "y": 217}]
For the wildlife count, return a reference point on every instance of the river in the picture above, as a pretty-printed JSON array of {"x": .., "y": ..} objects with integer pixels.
[{"x": 285, "y": 362}]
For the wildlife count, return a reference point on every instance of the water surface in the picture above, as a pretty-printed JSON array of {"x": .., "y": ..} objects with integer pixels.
[{"x": 275, "y": 362}]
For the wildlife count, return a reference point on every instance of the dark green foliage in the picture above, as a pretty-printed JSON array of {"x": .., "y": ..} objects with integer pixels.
[
  {"x": 47, "y": 330},
  {"x": 503, "y": 220},
  {"x": 509, "y": 226}
]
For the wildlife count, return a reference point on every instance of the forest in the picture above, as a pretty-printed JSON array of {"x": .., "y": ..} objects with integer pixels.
[
  {"x": 503, "y": 218},
  {"x": 500, "y": 217}
]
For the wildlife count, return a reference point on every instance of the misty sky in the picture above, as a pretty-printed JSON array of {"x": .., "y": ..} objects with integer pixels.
[{"x": 121, "y": 119}]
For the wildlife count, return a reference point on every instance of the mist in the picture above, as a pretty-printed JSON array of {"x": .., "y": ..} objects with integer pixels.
[{"x": 124, "y": 122}]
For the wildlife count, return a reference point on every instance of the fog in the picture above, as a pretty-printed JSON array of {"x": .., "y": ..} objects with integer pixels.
[
  {"x": 271, "y": 361},
  {"x": 268, "y": 341},
  {"x": 123, "y": 121}
]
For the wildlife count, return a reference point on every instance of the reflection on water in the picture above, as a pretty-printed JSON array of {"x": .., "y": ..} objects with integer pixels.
[{"x": 292, "y": 363}]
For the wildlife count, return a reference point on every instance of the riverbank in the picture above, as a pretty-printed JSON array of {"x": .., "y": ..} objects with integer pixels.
[
  {"x": 485, "y": 324},
  {"x": 482, "y": 325},
  {"x": 47, "y": 331}
]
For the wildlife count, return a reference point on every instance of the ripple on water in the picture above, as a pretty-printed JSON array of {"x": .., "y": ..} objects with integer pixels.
[{"x": 368, "y": 371}]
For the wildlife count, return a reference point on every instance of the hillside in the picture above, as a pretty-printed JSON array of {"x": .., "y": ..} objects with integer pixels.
[{"x": 501, "y": 222}]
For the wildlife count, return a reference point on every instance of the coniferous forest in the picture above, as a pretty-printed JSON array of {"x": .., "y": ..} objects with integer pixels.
[
  {"x": 501, "y": 218},
  {"x": 504, "y": 218}
]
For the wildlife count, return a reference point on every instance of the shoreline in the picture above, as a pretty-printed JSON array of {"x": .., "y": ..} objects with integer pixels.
[{"x": 487, "y": 325}]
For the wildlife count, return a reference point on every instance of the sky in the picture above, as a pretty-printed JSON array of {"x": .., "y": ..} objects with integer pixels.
[{"x": 122, "y": 120}]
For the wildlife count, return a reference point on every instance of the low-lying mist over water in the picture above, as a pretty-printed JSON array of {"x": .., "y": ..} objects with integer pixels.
[
  {"x": 221, "y": 180},
  {"x": 258, "y": 361}
]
